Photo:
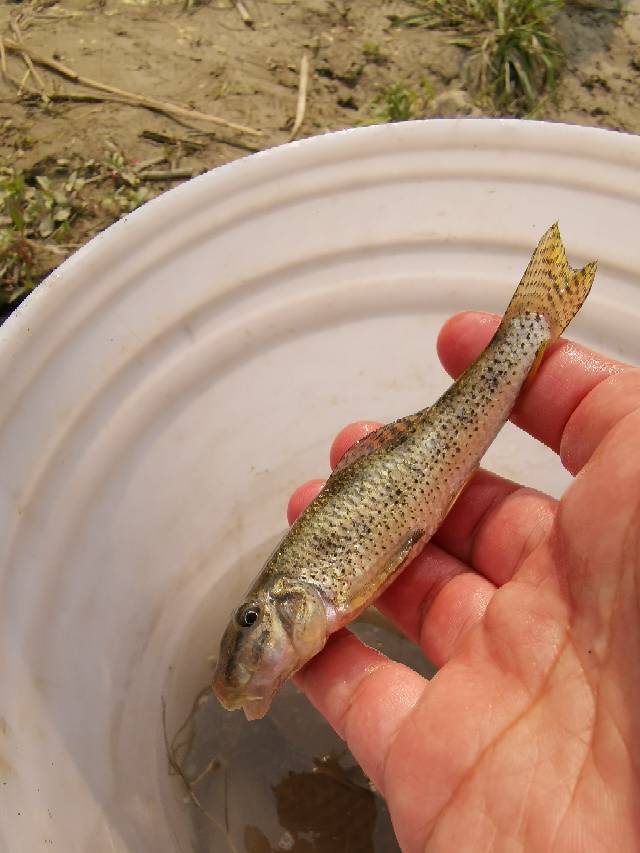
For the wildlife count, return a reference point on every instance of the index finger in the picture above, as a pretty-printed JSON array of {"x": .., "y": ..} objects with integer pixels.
[
  {"x": 568, "y": 373},
  {"x": 365, "y": 697}
]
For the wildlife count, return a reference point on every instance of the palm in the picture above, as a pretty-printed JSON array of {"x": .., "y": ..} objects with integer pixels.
[
  {"x": 527, "y": 736},
  {"x": 530, "y": 717}
]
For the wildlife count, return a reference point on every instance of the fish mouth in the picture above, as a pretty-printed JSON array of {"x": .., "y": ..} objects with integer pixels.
[{"x": 254, "y": 707}]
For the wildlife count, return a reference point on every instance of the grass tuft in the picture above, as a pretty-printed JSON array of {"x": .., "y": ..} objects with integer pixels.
[
  {"x": 515, "y": 56},
  {"x": 400, "y": 103},
  {"x": 395, "y": 103}
]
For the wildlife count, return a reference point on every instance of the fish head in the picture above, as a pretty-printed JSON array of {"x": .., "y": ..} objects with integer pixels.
[{"x": 276, "y": 630}]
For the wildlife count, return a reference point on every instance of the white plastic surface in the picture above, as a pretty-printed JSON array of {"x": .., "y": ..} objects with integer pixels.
[{"x": 164, "y": 391}]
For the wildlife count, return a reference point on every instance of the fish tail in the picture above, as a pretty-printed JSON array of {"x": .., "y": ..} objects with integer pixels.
[{"x": 550, "y": 286}]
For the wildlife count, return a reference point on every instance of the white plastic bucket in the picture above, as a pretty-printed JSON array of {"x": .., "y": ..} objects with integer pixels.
[{"x": 168, "y": 386}]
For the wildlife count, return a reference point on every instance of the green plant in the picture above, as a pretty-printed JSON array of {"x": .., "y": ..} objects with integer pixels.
[
  {"x": 399, "y": 103},
  {"x": 40, "y": 213},
  {"x": 17, "y": 257},
  {"x": 372, "y": 53},
  {"x": 33, "y": 209},
  {"x": 125, "y": 199},
  {"x": 52, "y": 209},
  {"x": 33, "y": 216},
  {"x": 395, "y": 103},
  {"x": 515, "y": 55},
  {"x": 37, "y": 213}
]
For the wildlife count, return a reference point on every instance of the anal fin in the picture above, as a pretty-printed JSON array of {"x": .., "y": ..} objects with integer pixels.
[
  {"x": 461, "y": 488},
  {"x": 405, "y": 551},
  {"x": 536, "y": 364}
]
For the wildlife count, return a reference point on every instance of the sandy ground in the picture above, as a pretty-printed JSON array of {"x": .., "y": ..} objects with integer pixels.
[{"x": 201, "y": 55}]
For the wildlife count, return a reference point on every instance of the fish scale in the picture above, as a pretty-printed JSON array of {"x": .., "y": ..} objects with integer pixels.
[
  {"x": 434, "y": 459},
  {"x": 389, "y": 494}
]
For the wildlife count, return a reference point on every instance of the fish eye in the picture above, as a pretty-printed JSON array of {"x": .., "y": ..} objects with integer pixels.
[{"x": 248, "y": 615}]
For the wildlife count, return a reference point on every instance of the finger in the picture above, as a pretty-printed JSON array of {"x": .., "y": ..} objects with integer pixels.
[
  {"x": 302, "y": 497},
  {"x": 348, "y": 436},
  {"x": 495, "y": 524},
  {"x": 435, "y": 601},
  {"x": 364, "y": 696},
  {"x": 567, "y": 374},
  {"x": 597, "y": 414}
]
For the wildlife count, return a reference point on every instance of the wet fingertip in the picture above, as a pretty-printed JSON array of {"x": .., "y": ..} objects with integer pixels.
[
  {"x": 314, "y": 669},
  {"x": 463, "y": 337},
  {"x": 339, "y": 664},
  {"x": 302, "y": 497}
]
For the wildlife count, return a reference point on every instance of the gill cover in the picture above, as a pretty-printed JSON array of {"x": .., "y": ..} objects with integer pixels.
[{"x": 270, "y": 636}]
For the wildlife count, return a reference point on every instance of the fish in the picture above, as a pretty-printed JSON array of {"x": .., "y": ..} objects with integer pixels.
[{"x": 389, "y": 494}]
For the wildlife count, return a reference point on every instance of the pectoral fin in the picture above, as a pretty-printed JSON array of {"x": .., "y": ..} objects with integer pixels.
[
  {"x": 406, "y": 550},
  {"x": 395, "y": 561}
]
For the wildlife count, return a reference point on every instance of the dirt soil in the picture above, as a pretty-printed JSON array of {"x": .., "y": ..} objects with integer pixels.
[{"x": 202, "y": 55}]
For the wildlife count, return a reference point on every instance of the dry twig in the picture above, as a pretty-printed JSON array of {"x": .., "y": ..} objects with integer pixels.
[
  {"x": 211, "y": 766},
  {"x": 28, "y": 61},
  {"x": 168, "y": 139},
  {"x": 3, "y": 57},
  {"x": 302, "y": 96},
  {"x": 146, "y": 164},
  {"x": 123, "y": 95},
  {"x": 176, "y": 768},
  {"x": 244, "y": 13},
  {"x": 166, "y": 175},
  {"x": 232, "y": 143},
  {"x": 23, "y": 82}
]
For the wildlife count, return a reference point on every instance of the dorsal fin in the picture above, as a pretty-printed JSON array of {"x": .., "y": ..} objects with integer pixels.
[{"x": 383, "y": 436}]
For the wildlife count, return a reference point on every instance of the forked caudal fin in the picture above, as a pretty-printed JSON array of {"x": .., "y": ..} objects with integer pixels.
[{"x": 550, "y": 286}]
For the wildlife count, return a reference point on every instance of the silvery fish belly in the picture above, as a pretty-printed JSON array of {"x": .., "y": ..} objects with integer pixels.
[{"x": 388, "y": 495}]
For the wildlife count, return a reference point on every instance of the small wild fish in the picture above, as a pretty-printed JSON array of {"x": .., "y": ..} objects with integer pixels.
[{"x": 388, "y": 495}]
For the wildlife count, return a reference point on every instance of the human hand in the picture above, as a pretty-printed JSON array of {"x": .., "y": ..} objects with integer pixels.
[{"x": 528, "y": 737}]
